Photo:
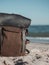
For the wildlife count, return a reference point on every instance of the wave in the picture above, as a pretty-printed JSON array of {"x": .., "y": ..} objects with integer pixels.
[
  {"x": 44, "y": 38},
  {"x": 39, "y": 39}
]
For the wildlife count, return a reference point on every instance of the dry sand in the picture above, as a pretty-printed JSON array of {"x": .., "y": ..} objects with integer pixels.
[{"x": 39, "y": 55}]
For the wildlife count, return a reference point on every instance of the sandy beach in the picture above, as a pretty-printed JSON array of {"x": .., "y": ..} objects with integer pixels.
[{"x": 39, "y": 55}]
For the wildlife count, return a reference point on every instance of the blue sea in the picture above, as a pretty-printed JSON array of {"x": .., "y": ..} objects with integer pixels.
[{"x": 38, "y": 29}]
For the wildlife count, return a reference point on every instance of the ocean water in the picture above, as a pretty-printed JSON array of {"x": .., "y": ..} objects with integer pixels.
[{"x": 39, "y": 29}]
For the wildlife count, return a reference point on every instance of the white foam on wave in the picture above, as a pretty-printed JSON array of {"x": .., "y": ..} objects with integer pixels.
[
  {"x": 38, "y": 39},
  {"x": 42, "y": 38}
]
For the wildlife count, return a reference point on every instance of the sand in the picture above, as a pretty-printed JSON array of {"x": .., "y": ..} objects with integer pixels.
[{"x": 39, "y": 55}]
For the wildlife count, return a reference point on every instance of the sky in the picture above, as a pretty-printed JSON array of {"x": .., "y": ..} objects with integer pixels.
[{"x": 36, "y": 10}]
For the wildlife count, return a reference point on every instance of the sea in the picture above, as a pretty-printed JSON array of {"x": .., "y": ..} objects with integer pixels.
[{"x": 39, "y": 29}]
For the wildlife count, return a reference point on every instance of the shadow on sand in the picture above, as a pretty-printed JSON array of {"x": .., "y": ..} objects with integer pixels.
[{"x": 20, "y": 62}]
